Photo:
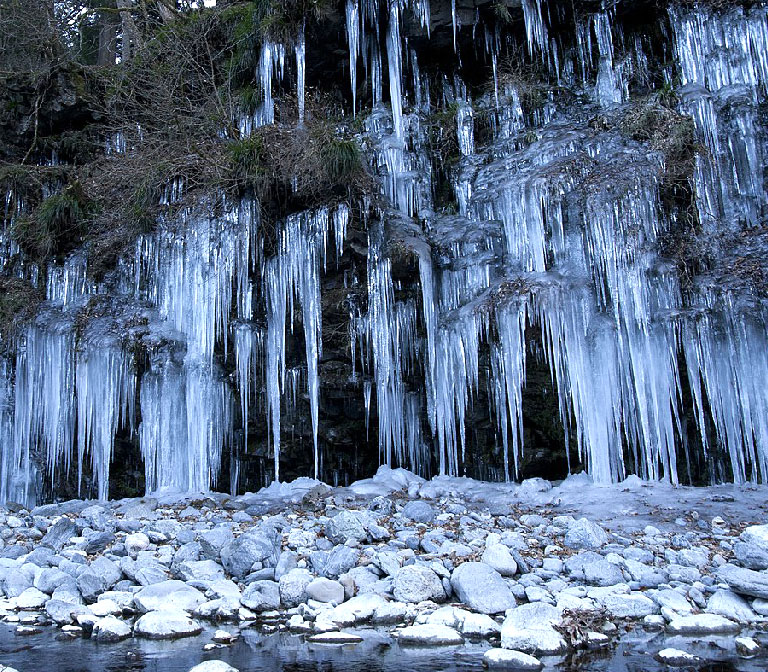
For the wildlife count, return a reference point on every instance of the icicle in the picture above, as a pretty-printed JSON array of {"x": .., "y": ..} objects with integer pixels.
[
  {"x": 353, "y": 36},
  {"x": 395, "y": 58},
  {"x": 301, "y": 72}
]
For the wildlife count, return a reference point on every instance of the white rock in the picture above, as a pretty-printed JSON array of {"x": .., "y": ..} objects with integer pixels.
[
  {"x": 135, "y": 543},
  {"x": 31, "y": 599},
  {"x": 359, "y": 608},
  {"x": 746, "y": 646},
  {"x": 110, "y": 629},
  {"x": 167, "y": 624},
  {"x": 390, "y": 612},
  {"x": 503, "y": 659},
  {"x": 702, "y": 624},
  {"x": 499, "y": 557},
  {"x": 479, "y": 625},
  {"x": 729, "y": 604},
  {"x": 105, "y": 608},
  {"x": 429, "y": 635},
  {"x": 213, "y": 666},
  {"x": 676, "y": 657},
  {"x": 336, "y": 638},
  {"x": 325, "y": 590},
  {"x": 530, "y": 628},
  {"x": 224, "y": 637},
  {"x": 634, "y": 605},
  {"x": 168, "y": 595}
]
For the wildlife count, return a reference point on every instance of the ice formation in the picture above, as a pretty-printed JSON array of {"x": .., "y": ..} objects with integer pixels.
[{"x": 555, "y": 233}]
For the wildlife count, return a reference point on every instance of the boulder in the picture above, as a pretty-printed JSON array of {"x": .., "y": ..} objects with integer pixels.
[
  {"x": 419, "y": 511},
  {"x": 261, "y": 596},
  {"x": 166, "y": 624},
  {"x": 168, "y": 594},
  {"x": 503, "y": 659},
  {"x": 59, "y": 534},
  {"x": 481, "y": 588},
  {"x": 258, "y": 545},
  {"x": 293, "y": 587},
  {"x": 499, "y": 558},
  {"x": 429, "y": 635},
  {"x": 110, "y": 629},
  {"x": 584, "y": 534},
  {"x": 744, "y": 581},
  {"x": 416, "y": 583},
  {"x": 702, "y": 624},
  {"x": 347, "y": 526},
  {"x": 530, "y": 628},
  {"x": 325, "y": 590},
  {"x": 732, "y": 606}
]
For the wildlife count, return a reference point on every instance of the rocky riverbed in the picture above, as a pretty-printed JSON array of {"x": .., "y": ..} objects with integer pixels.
[{"x": 512, "y": 576}]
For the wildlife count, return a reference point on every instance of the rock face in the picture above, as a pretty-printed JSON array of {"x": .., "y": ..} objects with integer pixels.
[
  {"x": 167, "y": 624},
  {"x": 482, "y": 588}
]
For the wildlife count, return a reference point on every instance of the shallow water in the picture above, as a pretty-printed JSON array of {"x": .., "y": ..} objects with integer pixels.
[{"x": 256, "y": 652}]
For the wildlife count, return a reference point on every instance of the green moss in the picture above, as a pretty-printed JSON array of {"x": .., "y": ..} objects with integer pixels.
[
  {"x": 343, "y": 159},
  {"x": 56, "y": 226}
]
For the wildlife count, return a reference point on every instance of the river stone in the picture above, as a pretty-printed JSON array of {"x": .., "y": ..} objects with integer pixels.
[
  {"x": 357, "y": 609},
  {"x": 293, "y": 587},
  {"x": 729, "y": 604},
  {"x": 702, "y": 624},
  {"x": 481, "y": 588},
  {"x": 633, "y": 605},
  {"x": 166, "y": 624},
  {"x": 100, "y": 575},
  {"x": 478, "y": 625},
  {"x": 168, "y": 594},
  {"x": 416, "y": 583},
  {"x": 212, "y": 541},
  {"x": 585, "y": 534},
  {"x": 239, "y": 555},
  {"x": 499, "y": 558},
  {"x": 677, "y": 658},
  {"x": 201, "y": 570},
  {"x": 602, "y": 573},
  {"x": 336, "y": 638},
  {"x": 325, "y": 590},
  {"x": 261, "y": 596},
  {"x": 346, "y": 526},
  {"x": 213, "y": 666},
  {"x": 135, "y": 543},
  {"x": 530, "y": 628},
  {"x": 59, "y": 534},
  {"x": 96, "y": 543},
  {"x": 429, "y": 635},
  {"x": 744, "y": 581},
  {"x": 419, "y": 511},
  {"x": 339, "y": 561},
  {"x": 63, "y": 613},
  {"x": 752, "y": 549},
  {"x": 110, "y": 629},
  {"x": 502, "y": 659},
  {"x": 31, "y": 599},
  {"x": 50, "y": 579}
]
